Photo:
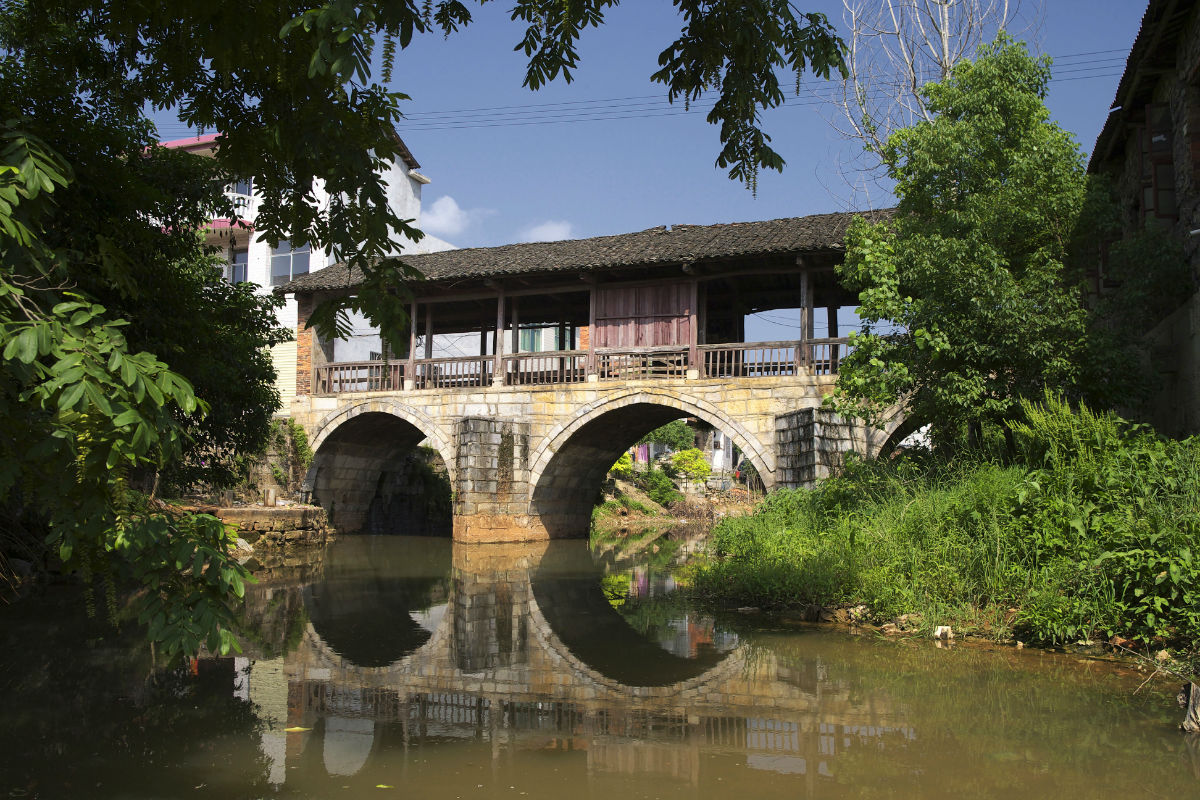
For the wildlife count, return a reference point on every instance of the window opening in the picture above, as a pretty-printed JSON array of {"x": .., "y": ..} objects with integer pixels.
[{"x": 288, "y": 262}]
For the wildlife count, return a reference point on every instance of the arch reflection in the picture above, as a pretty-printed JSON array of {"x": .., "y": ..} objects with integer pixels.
[
  {"x": 380, "y": 599},
  {"x": 662, "y": 646}
]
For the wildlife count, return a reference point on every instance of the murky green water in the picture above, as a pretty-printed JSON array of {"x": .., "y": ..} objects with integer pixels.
[{"x": 399, "y": 667}]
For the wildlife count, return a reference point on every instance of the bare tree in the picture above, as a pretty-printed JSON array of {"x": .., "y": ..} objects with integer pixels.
[{"x": 895, "y": 48}]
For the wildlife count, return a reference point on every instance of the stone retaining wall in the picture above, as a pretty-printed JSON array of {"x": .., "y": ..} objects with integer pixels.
[{"x": 273, "y": 528}]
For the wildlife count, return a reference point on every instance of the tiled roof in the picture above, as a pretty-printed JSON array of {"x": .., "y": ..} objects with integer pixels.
[
  {"x": 1153, "y": 52},
  {"x": 678, "y": 244}
]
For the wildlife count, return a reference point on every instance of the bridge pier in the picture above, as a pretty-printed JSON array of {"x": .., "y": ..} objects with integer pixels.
[{"x": 491, "y": 502}]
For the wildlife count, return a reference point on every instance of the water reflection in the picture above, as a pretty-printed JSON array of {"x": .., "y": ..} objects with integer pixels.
[{"x": 525, "y": 671}]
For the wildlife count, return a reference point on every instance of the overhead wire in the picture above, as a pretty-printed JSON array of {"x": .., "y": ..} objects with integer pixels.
[{"x": 1073, "y": 67}]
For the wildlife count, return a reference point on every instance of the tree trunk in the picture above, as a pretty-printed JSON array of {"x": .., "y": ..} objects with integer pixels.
[
  {"x": 974, "y": 434},
  {"x": 1191, "y": 720}
]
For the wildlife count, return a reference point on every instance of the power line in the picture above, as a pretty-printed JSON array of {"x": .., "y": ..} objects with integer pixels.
[{"x": 649, "y": 106}]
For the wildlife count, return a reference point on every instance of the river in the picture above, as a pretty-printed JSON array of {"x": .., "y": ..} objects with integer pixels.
[{"x": 405, "y": 667}]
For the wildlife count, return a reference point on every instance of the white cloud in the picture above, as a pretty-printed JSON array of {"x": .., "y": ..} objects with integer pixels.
[
  {"x": 549, "y": 231},
  {"x": 444, "y": 216}
]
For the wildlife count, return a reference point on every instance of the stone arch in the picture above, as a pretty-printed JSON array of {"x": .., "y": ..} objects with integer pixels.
[
  {"x": 895, "y": 430},
  {"x": 583, "y": 453},
  {"x": 418, "y": 419},
  {"x": 363, "y": 471}
]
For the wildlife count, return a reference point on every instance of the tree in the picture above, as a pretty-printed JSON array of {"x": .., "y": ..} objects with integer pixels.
[
  {"x": 690, "y": 463},
  {"x": 971, "y": 268},
  {"x": 104, "y": 332},
  {"x": 894, "y": 48},
  {"x": 675, "y": 435}
]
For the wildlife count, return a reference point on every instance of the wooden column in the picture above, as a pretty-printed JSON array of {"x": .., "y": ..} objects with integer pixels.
[
  {"x": 429, "y": 330},
  {"x": 591, "y": 348},
  {"x": 410, "y": 368},
  {"x": 693, "y": 334},
  {"x": 832, "y": 332},
  {"x": 806, "y": 307},
  {"x": 516, "y": 323},
  {"x": 498, "y": 343}
]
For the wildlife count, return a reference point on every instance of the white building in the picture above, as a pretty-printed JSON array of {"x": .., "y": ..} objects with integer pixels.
[{"x": 250, "y": 258}]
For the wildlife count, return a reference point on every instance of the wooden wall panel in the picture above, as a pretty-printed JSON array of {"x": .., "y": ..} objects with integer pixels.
[{"x": 642, "y": 316}]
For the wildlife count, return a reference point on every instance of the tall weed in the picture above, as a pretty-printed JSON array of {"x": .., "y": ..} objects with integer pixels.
[{"x": 1093, "y": 532}]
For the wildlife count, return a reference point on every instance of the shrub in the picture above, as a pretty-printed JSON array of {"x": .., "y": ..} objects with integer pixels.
[
  {"x": 623, "y": 468},
  {"x": 658, "y": 487},
  {"x": 691, "y": 464}
]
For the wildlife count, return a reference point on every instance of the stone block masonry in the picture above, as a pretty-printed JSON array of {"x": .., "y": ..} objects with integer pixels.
[
  {"x": 526, "y": 463},
  {"x": 812, "y": 444},
  {"x": 265, "y": 529}
]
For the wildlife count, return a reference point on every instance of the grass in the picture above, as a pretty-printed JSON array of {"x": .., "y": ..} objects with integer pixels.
[{"x": 1091, "y": 531}]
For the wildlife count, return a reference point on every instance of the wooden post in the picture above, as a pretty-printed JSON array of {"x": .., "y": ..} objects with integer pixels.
[
  {"x": 832, "y": 333},
  {"x": 562, "y": 345},
  {"x": 428, "y": 330},
  {"x": 591, "y": 356},
  {"x": 516, "y": 323},
  {"x": 411, "y": 367},
  {"x": 693, "y": 334},
  {"x": 498, "y": 344},
  {"x": 806, "y": 305}
]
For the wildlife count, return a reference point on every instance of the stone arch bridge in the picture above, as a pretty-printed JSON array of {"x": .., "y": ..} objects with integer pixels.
[
  {"x": 580, "y": 348},
  {"x": 527, "y": 462}
]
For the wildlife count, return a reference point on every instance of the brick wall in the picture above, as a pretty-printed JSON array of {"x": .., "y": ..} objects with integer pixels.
[{"x": 304, "y": 346}]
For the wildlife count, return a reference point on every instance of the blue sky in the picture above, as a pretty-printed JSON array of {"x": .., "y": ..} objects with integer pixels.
[{"x": 630, "y": 161}]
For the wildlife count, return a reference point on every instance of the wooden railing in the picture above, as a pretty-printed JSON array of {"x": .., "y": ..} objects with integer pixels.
[
  {"x": 360, "y": 376},
  {"x": 739, "y": 360},
  {"x": 546, "y": 369},
  {"x": 825, "y": 355},
  {"x": 641, "y": 363},
  {"x": 772, "y": 359},
  {"x": 453, "y": 373}
]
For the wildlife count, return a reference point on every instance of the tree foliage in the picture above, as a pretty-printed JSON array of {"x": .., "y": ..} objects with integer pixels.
[
  {"x": 291, "y": 90},
  {"x": 691, "y": 464},
  {"x": 675, "y": 435},
  {"x": 971, "y": 270},
  {"x": 123, "y": 354}
]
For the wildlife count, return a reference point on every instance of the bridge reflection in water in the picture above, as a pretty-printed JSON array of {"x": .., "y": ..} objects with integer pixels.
[{"x": 516, "y": 649}]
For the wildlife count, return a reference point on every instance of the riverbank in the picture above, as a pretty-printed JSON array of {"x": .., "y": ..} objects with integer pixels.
[{"x": 1089, "y": 534}]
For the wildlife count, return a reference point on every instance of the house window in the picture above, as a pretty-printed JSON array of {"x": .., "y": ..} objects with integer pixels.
[
  {"x": 245, "y": 187},
  {"x": 1158, "y": 168},
  {"x": 241, "y": 192},
  {"x": 239, "y": 266},
  {"x": 288, "y": 262},
  {"x": 537, "y": 338}
]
